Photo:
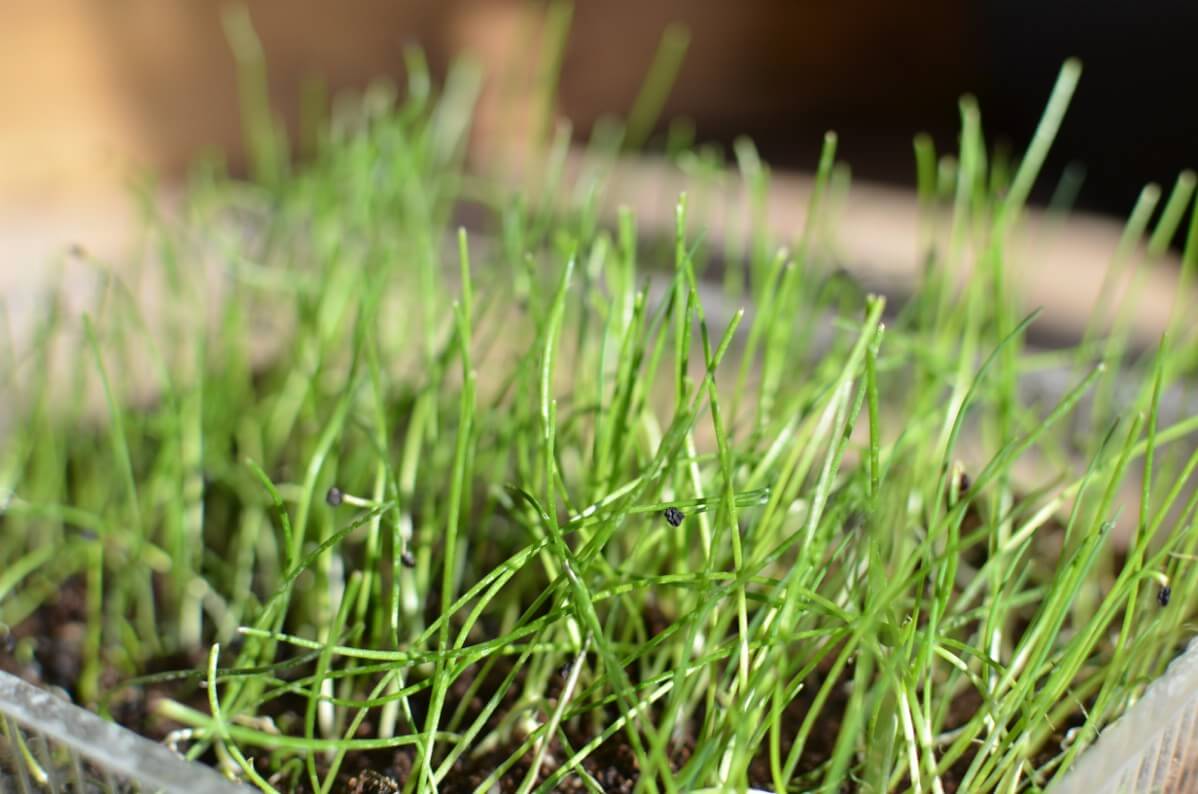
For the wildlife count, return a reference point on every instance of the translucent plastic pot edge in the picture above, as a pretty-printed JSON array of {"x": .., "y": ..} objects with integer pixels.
[
  {"x": 50, "y": 744},
  {"x": 1151, "y": 748}
]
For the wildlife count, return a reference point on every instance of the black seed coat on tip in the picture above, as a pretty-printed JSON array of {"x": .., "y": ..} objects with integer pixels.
[
  {"x": 1164, "y": 595},
  {"x": 334, "y": 496},
  {"x": 408, "y": 559},
  {"x": 674, "y": 516}
]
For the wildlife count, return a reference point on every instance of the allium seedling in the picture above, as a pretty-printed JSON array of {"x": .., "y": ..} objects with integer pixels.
[{"x": 335, "y": 497}]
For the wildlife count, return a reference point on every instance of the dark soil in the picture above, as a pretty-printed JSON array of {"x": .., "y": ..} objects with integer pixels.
[{"x": 46, "y": 649}]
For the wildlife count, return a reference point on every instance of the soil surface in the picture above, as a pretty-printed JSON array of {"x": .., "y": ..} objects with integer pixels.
[{"x": 47, "y": 649}]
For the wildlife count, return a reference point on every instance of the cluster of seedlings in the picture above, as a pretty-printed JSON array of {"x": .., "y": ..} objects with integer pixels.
[{"x": 605, "y": 540}]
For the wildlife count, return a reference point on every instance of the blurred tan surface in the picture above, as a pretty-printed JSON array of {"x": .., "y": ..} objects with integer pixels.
[{"x": 1055, "y": 264}]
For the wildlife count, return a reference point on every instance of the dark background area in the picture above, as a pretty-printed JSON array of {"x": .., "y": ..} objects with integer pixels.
[
  {"x": 878, "y": 74},
  {"x": 1133, "y": 119}
]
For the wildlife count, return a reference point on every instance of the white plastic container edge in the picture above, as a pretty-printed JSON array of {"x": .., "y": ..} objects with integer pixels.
[
  {"x": 1151, "y": 748},
  {"x": 55, "y": 725}
]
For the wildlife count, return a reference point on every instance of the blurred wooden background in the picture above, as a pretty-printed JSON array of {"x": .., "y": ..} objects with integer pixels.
[
  {"x": 90, "y": 86},
  {"x": 93, "y": 90}
]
